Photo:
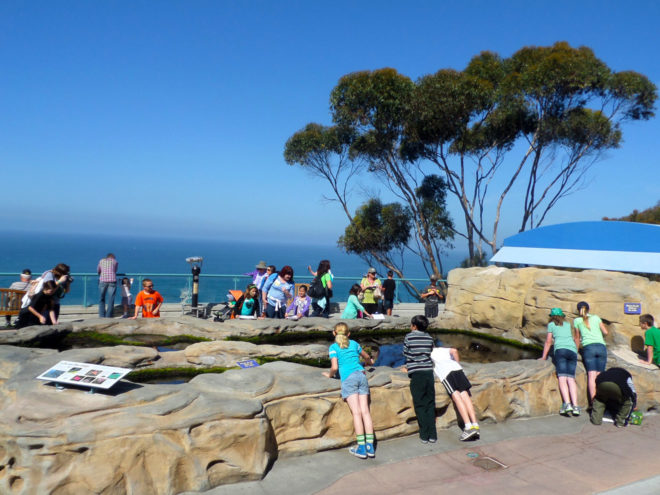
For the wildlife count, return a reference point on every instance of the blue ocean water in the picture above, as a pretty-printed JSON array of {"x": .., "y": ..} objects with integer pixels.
[{"x": 148, "y": 255}]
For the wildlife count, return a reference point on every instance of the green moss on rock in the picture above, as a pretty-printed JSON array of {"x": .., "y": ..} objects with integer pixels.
[{"x": 148, "y": 374}]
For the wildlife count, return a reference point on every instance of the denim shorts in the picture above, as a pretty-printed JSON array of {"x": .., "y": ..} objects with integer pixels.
[
  {"x": 594, "y": 357},
  {"x": 356, "y": 383},
  {"x": 388, "y": 304},
  {"x": 565, "y": 362}
]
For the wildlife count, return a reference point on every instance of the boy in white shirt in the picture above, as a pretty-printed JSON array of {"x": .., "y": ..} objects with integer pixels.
[{"x": 447, "y": 368}]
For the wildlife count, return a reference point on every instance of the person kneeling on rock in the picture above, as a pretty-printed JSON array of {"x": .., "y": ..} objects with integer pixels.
[
  {"x": 41, "y": 304},
  {"x": 615, "y": 392}
]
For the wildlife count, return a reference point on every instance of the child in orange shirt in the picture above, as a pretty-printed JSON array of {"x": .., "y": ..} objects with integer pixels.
[{"x": 149, "y": 300}]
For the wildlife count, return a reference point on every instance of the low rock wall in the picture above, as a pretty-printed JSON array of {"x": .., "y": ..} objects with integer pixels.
[
  {"x": 221, "y": 428},
  {"x": 515, "y": 303}
]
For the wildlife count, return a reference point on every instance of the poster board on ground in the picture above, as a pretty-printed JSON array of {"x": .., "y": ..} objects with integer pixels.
[{"x": 84, "y": 374}]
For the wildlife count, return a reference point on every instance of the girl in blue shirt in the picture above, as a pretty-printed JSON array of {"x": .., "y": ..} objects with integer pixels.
[{"x": 345, "y": 358}]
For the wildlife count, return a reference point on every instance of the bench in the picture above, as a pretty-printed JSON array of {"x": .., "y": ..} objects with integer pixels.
[{"x": 10, "y": 301}]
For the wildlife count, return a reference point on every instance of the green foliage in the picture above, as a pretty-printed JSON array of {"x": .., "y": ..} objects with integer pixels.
[
  {"x": 313, "y": 143},
  {"x": 542, "y": 91},
  {"x": 183, "y": 339},
  {"x": 562, "y": 105},
  {"x": 650, "y": 215},
  {"x": 377, "y": 101},
  {"x": 554, "y": 97},
  {"x": 432, "y": 196},
  {"x": 377, "y": 227},
  {"x": 635, "y": 92},
  {"x": 150, "y": 374}
]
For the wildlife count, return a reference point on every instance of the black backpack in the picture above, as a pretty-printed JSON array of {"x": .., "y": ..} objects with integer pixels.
[{"x": 316, "y": 289}]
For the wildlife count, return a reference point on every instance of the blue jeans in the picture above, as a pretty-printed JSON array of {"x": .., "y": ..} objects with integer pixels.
[
  {"x": 271, "y": 312},
  {"x": 565, "y": 362},
  {"x": 110, "y": 288},
  {"x": 594, "y": 357}
]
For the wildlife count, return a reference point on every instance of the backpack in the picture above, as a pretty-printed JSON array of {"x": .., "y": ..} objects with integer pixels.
[{"x": 316, "y": 289}]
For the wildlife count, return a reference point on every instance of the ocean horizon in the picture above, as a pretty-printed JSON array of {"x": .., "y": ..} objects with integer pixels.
[{"x": 137, "y": 254}]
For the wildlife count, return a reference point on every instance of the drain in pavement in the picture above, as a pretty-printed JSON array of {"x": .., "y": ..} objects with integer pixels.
[{"x": 489, "y": 463}]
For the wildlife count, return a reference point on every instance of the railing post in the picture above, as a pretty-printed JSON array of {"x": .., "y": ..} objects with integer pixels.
[{"x": 84, "y": 291}]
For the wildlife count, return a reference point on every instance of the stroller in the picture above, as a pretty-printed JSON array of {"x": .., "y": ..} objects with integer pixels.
[{"x": 226, "y": 310}]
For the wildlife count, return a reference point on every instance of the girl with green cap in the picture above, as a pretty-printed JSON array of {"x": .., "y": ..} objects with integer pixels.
[{"x": 565, "y": 360}]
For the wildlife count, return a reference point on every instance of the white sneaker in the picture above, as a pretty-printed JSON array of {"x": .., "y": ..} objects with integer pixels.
[{"x": 468, "y": 434}]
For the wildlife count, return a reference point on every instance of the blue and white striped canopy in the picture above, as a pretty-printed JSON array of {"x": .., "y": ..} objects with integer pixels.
[{"x": 620, "y": 246}]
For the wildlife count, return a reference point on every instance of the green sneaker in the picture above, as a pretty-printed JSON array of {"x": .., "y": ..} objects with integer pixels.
[
  {"x": 576, "y": 410},
  {"x": 566, "y": 409}
]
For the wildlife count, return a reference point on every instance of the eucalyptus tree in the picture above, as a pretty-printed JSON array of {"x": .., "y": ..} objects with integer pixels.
[
  {"x": 376, "y": 105},
  {"x": 324, "y": 152},
  {"x": 376, "y": 232},
  {"x": 533, "y": 124},
  {"x": 539, "y": 119}
]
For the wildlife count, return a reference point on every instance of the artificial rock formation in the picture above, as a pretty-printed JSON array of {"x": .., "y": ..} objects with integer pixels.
[
  {"x": 515, "y": 303},
  {"x": 223, "y": 428},
  {"x": 219, "y": 428}
]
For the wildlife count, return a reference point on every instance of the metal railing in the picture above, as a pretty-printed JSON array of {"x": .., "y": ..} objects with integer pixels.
[{"x": 85, "y": 286}]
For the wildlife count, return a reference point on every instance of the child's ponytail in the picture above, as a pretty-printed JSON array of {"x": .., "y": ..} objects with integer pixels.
[
  {"x": 341, "y": 335},
  {"x": 583, "y": 309}
]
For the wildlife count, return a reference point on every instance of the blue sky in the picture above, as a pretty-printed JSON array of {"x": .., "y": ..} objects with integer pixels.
[{"x": 170, "y": 117}]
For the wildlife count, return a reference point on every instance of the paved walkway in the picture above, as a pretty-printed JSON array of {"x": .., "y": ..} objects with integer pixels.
[
  {"x": 542, "y": 456},
  {"x": 171, "y": 310}
]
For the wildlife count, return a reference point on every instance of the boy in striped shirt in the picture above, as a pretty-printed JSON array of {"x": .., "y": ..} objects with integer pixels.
[{"x": 417, "y": 347}]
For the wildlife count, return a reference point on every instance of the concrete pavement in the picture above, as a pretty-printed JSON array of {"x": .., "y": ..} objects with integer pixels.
[{"x": 545, "y": 455}]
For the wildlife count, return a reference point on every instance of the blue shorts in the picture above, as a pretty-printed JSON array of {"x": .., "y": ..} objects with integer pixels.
[
  {"x": 356, "y": 383},
  {"x": 594, "y": 357},
  {"x": 388, "y": 304},
  {"x": 565, "y": 362}
]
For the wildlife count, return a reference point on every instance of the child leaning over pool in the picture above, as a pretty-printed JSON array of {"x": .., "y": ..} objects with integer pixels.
[
  {"x": 345, "y": 357},
  {"x": 447, "y": 368}
]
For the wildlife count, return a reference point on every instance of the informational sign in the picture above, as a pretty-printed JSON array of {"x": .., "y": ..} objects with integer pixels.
[
  {"x": 247, "y": 363},
  {"x": 84, "y": 374},
  {"x": 632, "y": 308}
]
